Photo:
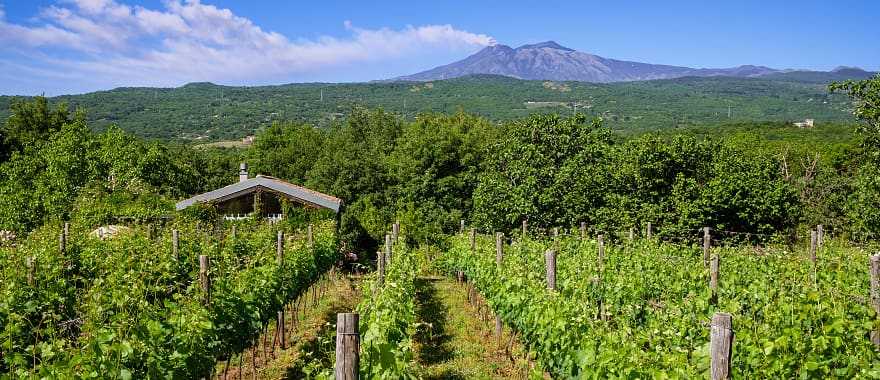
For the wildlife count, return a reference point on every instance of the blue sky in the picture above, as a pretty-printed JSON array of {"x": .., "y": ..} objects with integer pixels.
[{"x": 72, "y": 46}]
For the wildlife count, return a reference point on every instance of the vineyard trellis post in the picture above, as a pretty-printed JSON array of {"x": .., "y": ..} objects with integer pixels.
[
  {"x": 380, "y": 266},
  {"x": 65, "y": 235},
  {"x": 632, "y": 233},
  {"x": 583, "y": 230},
  {"x": 461, "y": 226},
  {"x": 650, "y": 232},
  {"x": 875, "y": 294},
  {"x": 388, "y": 249},
  {"x": 310, "y": 236},
  {"x": 395, "y": 231},
  {"x": 175, "y": 243},
  {"x": 233, "y": 231},
  {"x": 813, "y": 240},
  {"x": 525, "y": 227},
  {"x": 473, "y": 240},
  {"x": 347, "y": 346},
  {"x": 713, "y": 277},
  {"x": 707, "y": 245},
  {"x": 550, "y": 263},
  {"x": 30, "y": 263},
  {"x": 820, "y": 235},
  {"x": 204, "y": 278},
  {"x": 601, "y": 242},
  {"x": 720, "y": 341},
  {"x": 499, "y": 257},
  {"x": 279, "y": 247},
  {"x": 62, "y": 243}
]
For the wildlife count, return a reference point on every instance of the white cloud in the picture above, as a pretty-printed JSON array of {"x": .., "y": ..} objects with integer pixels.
[{"x": 189, "y": 41}]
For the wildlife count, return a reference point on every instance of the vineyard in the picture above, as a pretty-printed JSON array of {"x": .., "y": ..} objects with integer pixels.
[
  {"x": 619, "y": 308},
  {"x": 149, "y": 305}
]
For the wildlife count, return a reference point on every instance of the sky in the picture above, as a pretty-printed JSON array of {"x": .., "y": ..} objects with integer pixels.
[{"x": 55, "y": 47}]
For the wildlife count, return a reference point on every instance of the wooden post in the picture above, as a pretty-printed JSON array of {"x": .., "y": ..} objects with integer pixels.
[
  {"x": 525, "y": 227},
  {"x": 632, "y": 233},
  {"x": 550, "y": 263},
  {"x": 279, "y": 248},
  {"x": 31, "y": 263},
  {"x": 461, "y": 226},
  {"x": 813, "y": 240},
  {"x": 820, "y": 236},
  {"x": 720, "y": 341},
  {"x": 310, "y": 236},
  {"x": 347, "y": 346},
  {"x": 499, "y": 248},
  {"x": 713, "y": 277},
  {"x": 583, "y": 230},
  {"x": 473, "y": 239},
  {"x": 875, "y": 294},
  {"x": 388, "y": 249},
  {"x": 204, "y": 278},
  {"x": 175, "y": 243},
  {"x": 65, "y": 234},
  {"x": 395, "y": 231},
  {"x": 650, "y": 233},
  {"x": 707, "y": 243},
  {"x": 380, "y": 266},
  {"x": 233, "y": 231},
  {"x": 555, "y": 232},
  {"x": 66, "y": 230},
  {"x": 601, "y": 239},
  {"x": 282, "y": 336},
  {"x": 62, "y": 243}
]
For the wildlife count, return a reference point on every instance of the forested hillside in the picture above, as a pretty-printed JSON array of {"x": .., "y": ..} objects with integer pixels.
[{"x": 205, "y": 112}]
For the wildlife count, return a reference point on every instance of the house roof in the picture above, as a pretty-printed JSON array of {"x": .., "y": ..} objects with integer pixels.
[{"x": 261, "y": 182}]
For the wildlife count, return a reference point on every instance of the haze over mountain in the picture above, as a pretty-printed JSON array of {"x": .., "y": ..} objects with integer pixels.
[{"x": 551, "y": 61}]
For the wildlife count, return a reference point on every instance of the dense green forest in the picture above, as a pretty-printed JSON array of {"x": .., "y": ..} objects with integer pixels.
[
  {"x": 204, "y": 112},
  {"x": 434, "y": 169}
]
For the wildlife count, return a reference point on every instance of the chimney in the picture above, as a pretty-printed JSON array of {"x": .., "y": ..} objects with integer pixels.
[{"x": 242, "y": 172}]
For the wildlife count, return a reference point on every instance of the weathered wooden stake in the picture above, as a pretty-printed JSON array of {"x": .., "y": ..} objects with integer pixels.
[
  {"x": 395, "y": 231},
  {"x": 282, "y": 334},
  {"x": 233, "y": 231},
  {"x": 632, "y": 233},
  {"x": 601, "y": 239},
  {"x": 347, "y": 346},
  {"x": 550, "y": 263},
  {"x": 310, "y": 235},
  {"x": 31, "y": 263},
  {"x": 707, "y": 244},
  {"x": 473, "y": 239},
  {"x": 175, "y": 244},
  {"x": 650, "y": 233},
  {"x": 720, "y": 341},
  {"x": 875, "y": 294},
  {"x": 388, "y": 251},
  {"x": 525, "y": 227},
  {"x": 380, "y": 266},
  {"x": 65, "y": 234},
  {"x": 204, "y": 278},
  {"x": 713, "y": 277},
  {"x": 583, "y": 230},
  {"x": 66, "y": 229},
  {"x": 498, "y": 328},
  {"x": 813, "y": 240},
  {"x": 820, "y": 236},
  {"x": 499, "y": 248},
  {"x": 461, "y": 226},
  {"x": 279, "y": 247}
]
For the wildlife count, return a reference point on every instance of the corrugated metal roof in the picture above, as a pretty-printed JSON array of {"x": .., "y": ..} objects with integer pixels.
[{"x": 248, "y": 186}]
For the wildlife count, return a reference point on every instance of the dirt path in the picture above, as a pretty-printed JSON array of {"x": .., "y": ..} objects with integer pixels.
[{"x": 453, "y": 342}]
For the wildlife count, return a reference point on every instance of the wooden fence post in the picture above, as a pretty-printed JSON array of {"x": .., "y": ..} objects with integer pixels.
[
  {"x": 473, "y": 240},
  {"x": 707, "y": 244},
  {"x": 583, "y": 230},
  {"x": 395, "y": 231},
  {"x": 813, "y": 241},
  {"x": 720, "y": 342},
  {"x": 279, "y": 247},
  {"x": 175, "y": 244},
  {"x": 347, "y": 346},
  {"x": 282, "y": 334},
  {"x": 461, "y": 226},
  {"x": 820, "y": 236},
  {"x": 204, "y": 278},
  {"x": 233, "y": 231},
  {"x": 713, "y": 277},
  {"x": 30, "y": 263},
  {"x": 550, "y": 263},
  {"x": 632, "y": 233},
  {"x": 525, "y": 227},
  {"x": 388, "y": 249},
  {"x": 65, "y": 234},
  {"x": 601, "y": 240},
  {"x": 875, "y": 294},
  {"x": 310, "y": 235},
  {"x": 650, "y": 233},
  {"x": 499, "y": 248}
]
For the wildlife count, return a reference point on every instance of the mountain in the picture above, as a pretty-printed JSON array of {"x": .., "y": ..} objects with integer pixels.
[
  {"x": 551, "y": 61},
  {"x": 204, "y": 112}
]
